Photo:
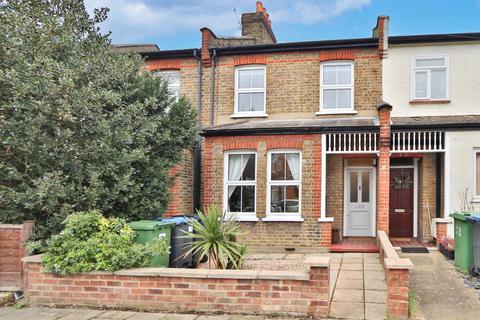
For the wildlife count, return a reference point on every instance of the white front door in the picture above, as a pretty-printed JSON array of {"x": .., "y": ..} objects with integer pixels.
[{"x": 359, "y": 202}]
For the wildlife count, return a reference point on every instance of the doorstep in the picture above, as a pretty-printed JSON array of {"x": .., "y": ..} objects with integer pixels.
[{"x": 354, "y": 244}]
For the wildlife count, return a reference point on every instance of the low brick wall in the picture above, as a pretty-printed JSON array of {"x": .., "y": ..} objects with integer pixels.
[
  {"x": 188, "y": 290},
  {"x": 12, "y": 238},
  {"x": 397, "y": 272}
]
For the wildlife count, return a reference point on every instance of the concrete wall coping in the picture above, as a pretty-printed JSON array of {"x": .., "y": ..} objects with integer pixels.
[
  {"x": 398, "y": 264},
  {"x": 386, "y": 245},
  {"x": 199, "y": 273},
  {"x": 11, "y": 226},
  {"x": 33, "y": 259},
  {"x": 442, "y": 220},
  {"x": 317, "y": 261}
]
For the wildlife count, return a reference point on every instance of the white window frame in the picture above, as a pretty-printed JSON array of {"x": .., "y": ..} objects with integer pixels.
[
  {"x": 279, "y": 216},
  {"x": 162, "y": 73},
  {"x": 476, "y": 193},
  {"x": 241, "y": 114},
  {"x": 413, "y": 71},
  {"x": 238, "y": 216},
  {"x": 351, "y": 86}
]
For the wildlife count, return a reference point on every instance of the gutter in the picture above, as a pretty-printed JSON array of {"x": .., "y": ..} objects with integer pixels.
[{"x": 282, "y": 131}]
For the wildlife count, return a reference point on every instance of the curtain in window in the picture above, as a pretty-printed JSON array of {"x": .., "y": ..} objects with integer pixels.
[
  {"x": 294, "y": 165},
  {"x": 236, "y": 166}
]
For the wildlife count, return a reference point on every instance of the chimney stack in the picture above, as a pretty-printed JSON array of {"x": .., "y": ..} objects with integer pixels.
[
  {"x": 258, "y": 25},
  {"x": 381, "y": 32}
]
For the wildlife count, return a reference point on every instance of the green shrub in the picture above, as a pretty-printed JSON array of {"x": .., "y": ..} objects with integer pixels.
[
  {"x": 215, "y": 237},
  {"x": 91, "y": 242}
]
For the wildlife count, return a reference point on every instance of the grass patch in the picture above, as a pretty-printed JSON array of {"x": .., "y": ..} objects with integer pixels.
[{"x": 412, "y": 303}]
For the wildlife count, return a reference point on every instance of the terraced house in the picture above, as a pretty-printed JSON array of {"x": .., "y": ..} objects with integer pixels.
[{"x": 297, "y": 139}]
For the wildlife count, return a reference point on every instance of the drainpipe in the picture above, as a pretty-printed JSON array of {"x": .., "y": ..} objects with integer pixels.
[
  {"x": 212, "y": 89},
  {"x": 197, "y": 160}
]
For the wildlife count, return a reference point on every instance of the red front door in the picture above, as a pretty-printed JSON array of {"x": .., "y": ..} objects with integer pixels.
[{"x": 401, "y": 202}]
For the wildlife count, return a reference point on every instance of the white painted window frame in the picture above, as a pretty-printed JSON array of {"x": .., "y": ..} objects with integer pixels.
[
  {"x": 337, "y": 86},
  {"x": 244, "y": 114},
  {"x": 162, "y": 73},
  {"x": 414, "y": 69},
  {"x": 238, "y": 216},
  {"x": 279, "y": 216},
  {"x": 476, "y": 193}
]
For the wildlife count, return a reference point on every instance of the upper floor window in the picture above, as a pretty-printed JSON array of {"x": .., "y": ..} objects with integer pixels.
[
  {"x": 284, "y": 185},
  {"x": 430, "y": 78},
  {"x": 250, "y": 91},
  {"x": 240, "y": 185},
  {"x": 336, "y": 87},
  {"x": 173, "y": 78}
]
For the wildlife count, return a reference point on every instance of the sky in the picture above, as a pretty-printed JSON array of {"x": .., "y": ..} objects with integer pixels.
[{"x": 175, "y": 24}]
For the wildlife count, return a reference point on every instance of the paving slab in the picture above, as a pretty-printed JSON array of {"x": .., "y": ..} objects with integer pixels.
[
  {"x": 243, "y": 317},
  {"x": 353, "y": 255},
  {"x": 36, "y": 313},
  {"x": 375, "y": 311},
  {"x": 215, "y": 317},
  {"x": 117, "y": 315},
  {"x": 147, "y": 316},
  {"x": 372, "y": 267},
  {"x": 375, "y": 285},
  {"x": 375, "y": 296},
  {"x": 349, "y": 284},
  {"x": 82, "y": 314},
  {"x": 374, "y": 275},
  {"x": 173, "y": 316},
  {"x": 352, "y": 260},
  {"x": 350, "y": 275},
  {"x": 351, "y": 266},
  {"x": 347, "y": 295},
  {"x": 347, "y": 310},
  {"x": 5, "y": 310}
]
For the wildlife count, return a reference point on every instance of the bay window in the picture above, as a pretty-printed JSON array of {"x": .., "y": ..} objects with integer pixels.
[
  {"x": 284, "y": 186},
  {"x": 240, "y": 185}
]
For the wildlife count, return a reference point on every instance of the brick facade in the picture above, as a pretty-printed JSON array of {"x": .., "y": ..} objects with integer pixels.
[
  {"x": 383, "y": 170},
  {"x": 309, "y": 233},
  {"x": 12, "y": 238},
  {"x": 426, "y": 195},
  {"x": 187, "y": 290}
]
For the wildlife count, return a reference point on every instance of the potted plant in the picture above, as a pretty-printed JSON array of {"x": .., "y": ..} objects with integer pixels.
[{"x": 447, "y": 248}]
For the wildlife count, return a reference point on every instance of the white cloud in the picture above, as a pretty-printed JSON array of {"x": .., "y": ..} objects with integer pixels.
[{"x": 129, "y": 19}]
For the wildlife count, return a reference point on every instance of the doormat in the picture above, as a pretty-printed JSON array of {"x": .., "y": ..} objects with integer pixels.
[{"x": 415, "y": 250}]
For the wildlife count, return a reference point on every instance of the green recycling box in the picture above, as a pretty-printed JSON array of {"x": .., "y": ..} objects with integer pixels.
[
  {"x": 147, "y": 231},
  {"x": 463, "y": 241}
]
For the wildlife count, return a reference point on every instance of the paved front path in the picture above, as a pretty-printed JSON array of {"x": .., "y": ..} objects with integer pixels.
[
  {"x": 39, "y": 313},
  {"x": 359, "y": 287},
  {"x": 440, "y": 290}
]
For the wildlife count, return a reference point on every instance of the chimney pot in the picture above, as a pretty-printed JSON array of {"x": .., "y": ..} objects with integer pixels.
[{"x": 259, "y": 6}]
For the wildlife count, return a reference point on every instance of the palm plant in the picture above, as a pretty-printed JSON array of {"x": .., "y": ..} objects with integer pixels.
[{"x": 215, "y": 237}]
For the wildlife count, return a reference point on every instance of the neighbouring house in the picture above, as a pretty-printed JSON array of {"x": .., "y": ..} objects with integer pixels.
[{"x": 297, "y": 138}]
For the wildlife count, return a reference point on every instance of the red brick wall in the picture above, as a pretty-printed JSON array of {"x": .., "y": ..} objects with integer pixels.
[
  {"x": 397, "y": 293},
  {"x": 383, "y": 183},
  {"x": 12, "y": 238},
  {"x": 167, "y": 290}
]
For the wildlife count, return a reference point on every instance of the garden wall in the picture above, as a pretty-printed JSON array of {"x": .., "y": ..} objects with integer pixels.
[
  {"x": 397, "y": 274},
  {"x": 12, "y": 237},
  {"x": 187, "y": 290}
]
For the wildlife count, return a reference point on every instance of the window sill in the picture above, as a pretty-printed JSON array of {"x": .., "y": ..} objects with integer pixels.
[
  {"x": 426, "y": 101},
  {"x": 325, "y": 219},
  {"x": 241, "y": 218},
  {"x": 476, "y": 200},
  {"x": 253, "y": 115},
  {"x": 324, "y": 112},
  {"x": 282, "y": 219}
]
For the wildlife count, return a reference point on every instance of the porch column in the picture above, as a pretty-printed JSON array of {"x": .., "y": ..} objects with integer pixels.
[
  {"x": 324, "y": 221},
  {"x": 383, "y": 192}
]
